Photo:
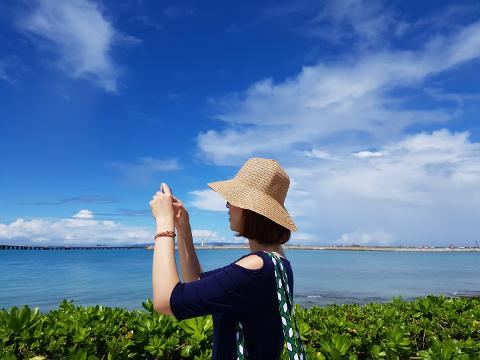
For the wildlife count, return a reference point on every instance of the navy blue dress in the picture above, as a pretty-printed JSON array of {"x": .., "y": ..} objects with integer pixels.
[{"x": 231, "y": 293}]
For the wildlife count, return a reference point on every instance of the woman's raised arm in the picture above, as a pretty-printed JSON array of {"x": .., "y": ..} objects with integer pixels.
[
  {"x": 189, "y": 263},
  {"x": 188, "y": 257}
]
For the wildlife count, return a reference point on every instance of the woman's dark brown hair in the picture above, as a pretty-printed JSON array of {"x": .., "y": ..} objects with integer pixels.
[{"x": 262, "y": 229}]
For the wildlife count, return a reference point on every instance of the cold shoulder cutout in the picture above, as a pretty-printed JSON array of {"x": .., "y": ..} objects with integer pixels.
[{"x": 253, "y": 259}]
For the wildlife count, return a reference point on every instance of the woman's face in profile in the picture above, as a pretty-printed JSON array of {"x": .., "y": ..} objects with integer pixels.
[{"x": 235, "y": 217}]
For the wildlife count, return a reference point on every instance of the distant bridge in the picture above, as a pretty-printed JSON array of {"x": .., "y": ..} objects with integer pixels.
[{"x": 34, "y": 247}]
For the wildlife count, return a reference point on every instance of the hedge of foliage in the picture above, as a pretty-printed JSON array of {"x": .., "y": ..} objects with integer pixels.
[{"x": 432, "y": 327}]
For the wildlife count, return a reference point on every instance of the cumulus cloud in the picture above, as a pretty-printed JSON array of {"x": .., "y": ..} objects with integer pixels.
[
  {"x": 83, "y": 229},
  {"x": 208, "y": 200},
  {"x": 318, "y": 154},
  {"x": 80, "y": 229},
  {"x": 83, "y": 214},
  {"x": 424, "y": 189},
  {"x": 80, "y": 35},
  {"x": 375, "y": 238},
  {"x": 367, "y": 154}
]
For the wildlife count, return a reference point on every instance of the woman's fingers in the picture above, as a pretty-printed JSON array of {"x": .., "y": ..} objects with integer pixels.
[
  {"x": 176, "y": 200},
  {"x": 166, "y": 189}
]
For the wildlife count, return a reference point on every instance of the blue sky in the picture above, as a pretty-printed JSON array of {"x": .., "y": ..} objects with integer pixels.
[{"x": 371, "y": 107}]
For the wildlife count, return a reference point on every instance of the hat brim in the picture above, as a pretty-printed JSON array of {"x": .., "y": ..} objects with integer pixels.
[{"x": 247, "y": 197}]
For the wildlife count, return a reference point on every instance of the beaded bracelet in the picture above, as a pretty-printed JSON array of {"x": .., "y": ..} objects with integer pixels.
[{"x": 166, "y": 233}]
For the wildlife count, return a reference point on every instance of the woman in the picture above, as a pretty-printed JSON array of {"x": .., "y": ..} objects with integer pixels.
[{"x": 244, "y": 291}]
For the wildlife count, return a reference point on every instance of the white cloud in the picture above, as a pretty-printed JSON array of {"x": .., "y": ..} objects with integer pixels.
[
  {"x": 78, "y": 230},
  {"x": 80, "y": 35},
  {"x": 318, "y": 154},
  {"x": 83, "y": 230},
  {"x": 208, "y": 200},
  {"x": 424, "y": 189},
  {"x": 327, "y": 103},
  {"x": 374, "y": 238},
  {"x": 304, "y": 238},
  {"x": 83, "y": 214},
  {"x": 367, "y": 154}
]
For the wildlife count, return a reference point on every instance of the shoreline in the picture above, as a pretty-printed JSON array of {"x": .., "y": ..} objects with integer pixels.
[
  {"x": 246, "y": 247},
  {"x": 343, "y": 248}
]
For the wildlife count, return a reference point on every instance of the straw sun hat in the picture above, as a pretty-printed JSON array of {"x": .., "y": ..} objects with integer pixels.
[{"x": 261, "y": 185}]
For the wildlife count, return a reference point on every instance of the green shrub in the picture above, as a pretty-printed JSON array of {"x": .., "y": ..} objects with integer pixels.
[{"x": 432, "y": 327}]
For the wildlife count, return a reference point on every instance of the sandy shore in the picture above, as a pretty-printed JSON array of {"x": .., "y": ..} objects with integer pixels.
[{"x": 346, "y": 248}]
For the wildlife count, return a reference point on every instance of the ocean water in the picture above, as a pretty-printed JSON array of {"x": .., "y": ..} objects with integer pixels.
[{"x": 122, "y": 278}]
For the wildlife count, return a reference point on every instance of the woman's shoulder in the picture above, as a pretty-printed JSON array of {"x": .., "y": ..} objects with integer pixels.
[
  {"x": 251, "y": 262},
  {"x": 256, "y": 261}
]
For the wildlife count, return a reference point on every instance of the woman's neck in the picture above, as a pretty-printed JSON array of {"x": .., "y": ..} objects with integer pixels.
[{"x": 256, "y": 246}]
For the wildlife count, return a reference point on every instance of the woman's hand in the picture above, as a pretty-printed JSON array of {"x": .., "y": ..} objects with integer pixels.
[
  {"x": 181, "y": 216},
  {"x": 162, "y": 206}
]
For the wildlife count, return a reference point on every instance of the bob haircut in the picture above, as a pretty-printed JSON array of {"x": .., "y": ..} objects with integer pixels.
[{"x": 262, "y": 229}]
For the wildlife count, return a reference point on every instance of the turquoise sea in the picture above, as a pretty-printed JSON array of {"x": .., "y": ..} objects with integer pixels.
[{"x": 123, "y": 277}]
